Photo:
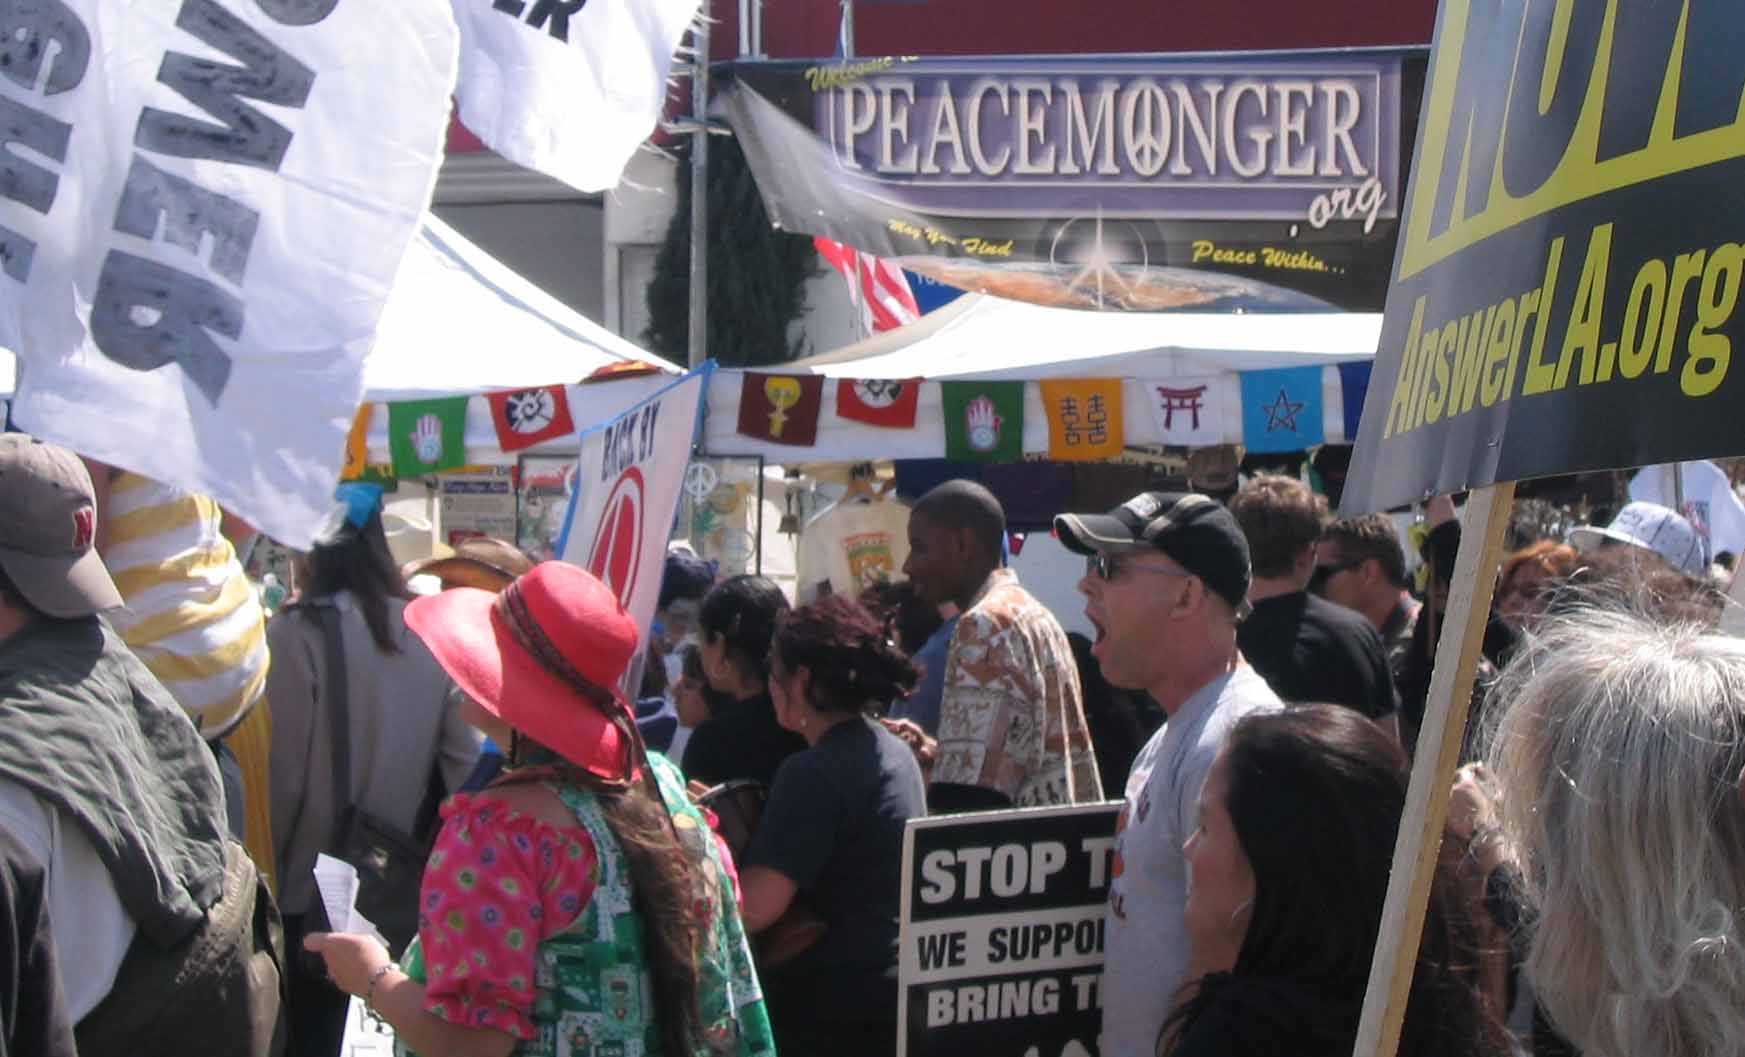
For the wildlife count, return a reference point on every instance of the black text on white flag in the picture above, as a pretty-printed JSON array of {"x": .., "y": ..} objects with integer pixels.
[{"x": 202, "y": 207}]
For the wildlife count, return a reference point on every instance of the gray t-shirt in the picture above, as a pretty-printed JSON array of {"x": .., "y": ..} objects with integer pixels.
[{"x": 1145, "y": 953}]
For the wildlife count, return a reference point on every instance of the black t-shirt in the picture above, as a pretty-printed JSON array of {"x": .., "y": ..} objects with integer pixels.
[
  {"x": 741, "y": 740},
  {"x": 834, "y": 826},
  {"x": 33, "y": 1015},
  {"x": 1311, "y": 650},
  {"x": 1241, "y": 1017}
]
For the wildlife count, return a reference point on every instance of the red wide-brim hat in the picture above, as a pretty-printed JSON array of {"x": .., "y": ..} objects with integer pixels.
[{"x": 468, "y": 631}]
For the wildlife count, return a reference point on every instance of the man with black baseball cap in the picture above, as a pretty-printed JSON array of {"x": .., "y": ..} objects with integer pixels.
[
  {"x": 104, "y": 779},
  {"x": 1166, "y": 583}
]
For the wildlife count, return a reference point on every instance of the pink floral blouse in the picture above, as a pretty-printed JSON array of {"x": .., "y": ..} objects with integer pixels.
[{"x": 497, "y": 883}]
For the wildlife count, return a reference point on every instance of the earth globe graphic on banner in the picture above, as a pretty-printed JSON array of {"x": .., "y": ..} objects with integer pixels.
[{"x": 1095, "y": 261}]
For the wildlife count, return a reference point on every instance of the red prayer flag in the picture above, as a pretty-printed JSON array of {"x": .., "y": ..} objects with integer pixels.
[
  {"x": 879, "y": 401},
  {"x": 528, "y": 416}
]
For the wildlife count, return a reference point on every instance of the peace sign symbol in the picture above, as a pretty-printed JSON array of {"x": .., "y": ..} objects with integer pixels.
[{"x": 700, "y": 480}]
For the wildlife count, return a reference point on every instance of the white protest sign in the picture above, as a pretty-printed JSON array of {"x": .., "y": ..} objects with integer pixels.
[
  {"x": 628, "y": 479},
  {"x": 203, "y": 204},
  {"x": 568, "y": 88}
]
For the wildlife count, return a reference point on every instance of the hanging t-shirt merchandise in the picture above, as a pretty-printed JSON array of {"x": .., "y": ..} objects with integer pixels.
[{"x": 852, "y": 545}]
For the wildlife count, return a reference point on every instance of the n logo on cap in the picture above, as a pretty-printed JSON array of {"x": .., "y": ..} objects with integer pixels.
[{"x": 84, "y": 527}]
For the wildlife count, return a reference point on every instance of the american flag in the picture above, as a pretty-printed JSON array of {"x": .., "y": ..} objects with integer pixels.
[
  {"x": 886, "y": 302},
  {"x": 880, "y": 288}
]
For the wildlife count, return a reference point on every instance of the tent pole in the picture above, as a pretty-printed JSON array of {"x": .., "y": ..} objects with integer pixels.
[{"x": 699, "y": 327}]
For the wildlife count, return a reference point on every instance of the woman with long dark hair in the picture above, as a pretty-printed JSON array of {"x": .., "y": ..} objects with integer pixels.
[
  {"x": 579, "y": 903},
  {"x": 1288, "y": 872},
  {"x": 832, "y": 831},
  {"x": 407, "y": 744},
  {"x": 742, "y": 739}
]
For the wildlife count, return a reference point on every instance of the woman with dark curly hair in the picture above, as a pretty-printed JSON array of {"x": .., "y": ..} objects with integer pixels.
[
  {"x": 1288, "y": 871},
  {"x": 742, "y": 739},
  {"x": 832, "y": 831}
]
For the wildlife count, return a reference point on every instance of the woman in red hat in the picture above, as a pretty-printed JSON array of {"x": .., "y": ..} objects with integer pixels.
[{"x": 580, "y": 900}]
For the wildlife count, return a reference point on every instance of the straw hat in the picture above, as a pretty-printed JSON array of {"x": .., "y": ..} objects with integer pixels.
[
  {"x": 480, "y": 561},
  {"x": 545, "y": 656}
]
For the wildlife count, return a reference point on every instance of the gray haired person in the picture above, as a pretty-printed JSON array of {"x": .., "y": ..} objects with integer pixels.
[{"x": 1618, "y": 755}]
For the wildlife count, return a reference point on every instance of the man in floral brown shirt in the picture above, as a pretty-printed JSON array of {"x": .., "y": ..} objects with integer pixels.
[{"x": 1012, "y": 729}]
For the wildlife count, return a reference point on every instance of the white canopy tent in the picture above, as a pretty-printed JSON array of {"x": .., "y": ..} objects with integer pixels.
[
  {"x": 459, "y": 322},
  {"x": 980, "y": 337}
]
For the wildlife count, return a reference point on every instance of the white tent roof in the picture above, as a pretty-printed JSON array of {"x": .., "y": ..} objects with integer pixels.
[
  {"x": 460, "y": 322},
  {"x": 981, "y": 337}
]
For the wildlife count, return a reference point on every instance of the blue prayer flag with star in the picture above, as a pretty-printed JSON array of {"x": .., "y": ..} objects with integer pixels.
[{"x": 1282, "y": 409}]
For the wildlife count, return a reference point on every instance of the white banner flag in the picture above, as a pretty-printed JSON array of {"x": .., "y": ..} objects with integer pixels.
[
  {"x": 1192, "y": 411},
  {"x": 202, "y": 206},
  {"x": 628, "y": 479},
  {"x": 568, "y": 88}
]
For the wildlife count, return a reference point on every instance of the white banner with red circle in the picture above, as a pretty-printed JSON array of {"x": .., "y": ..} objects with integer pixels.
[{"x": 629, "y": 475}]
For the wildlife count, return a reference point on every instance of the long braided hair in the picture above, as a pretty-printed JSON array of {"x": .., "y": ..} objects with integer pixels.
[{"x": 670, "y": 890}]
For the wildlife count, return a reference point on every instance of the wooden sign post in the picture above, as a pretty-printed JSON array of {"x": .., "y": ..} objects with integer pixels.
[{"x": 1420, "y": 838}]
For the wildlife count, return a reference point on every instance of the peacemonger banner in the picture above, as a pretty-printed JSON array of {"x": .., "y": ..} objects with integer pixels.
[
  {"x": 1266, "y": 180},
  {"x": 1566, "y": 287}
]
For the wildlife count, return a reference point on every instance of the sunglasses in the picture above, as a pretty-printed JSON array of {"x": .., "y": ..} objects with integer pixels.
[
  {"x": 1323, "y": 573},
  {"x": 1106, "y": 567}
]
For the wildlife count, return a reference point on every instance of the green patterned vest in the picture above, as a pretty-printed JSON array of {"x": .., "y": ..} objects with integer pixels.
[{"x": 594, "y": 992}]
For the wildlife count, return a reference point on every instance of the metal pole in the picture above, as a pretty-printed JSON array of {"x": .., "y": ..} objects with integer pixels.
[
  {"x": 699, "y": 332},
  {"x": 848, "y": 29}
]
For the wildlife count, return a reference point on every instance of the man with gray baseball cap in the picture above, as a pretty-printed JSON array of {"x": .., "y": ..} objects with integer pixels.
[
  {"x": 1166, "y": 582},
  {"x": 103, "y": 778}
]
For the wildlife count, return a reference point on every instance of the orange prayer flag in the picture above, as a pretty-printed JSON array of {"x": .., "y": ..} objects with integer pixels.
[
  {"x": 1084, "y": 418},
  {"x": 357, "y": 445}
]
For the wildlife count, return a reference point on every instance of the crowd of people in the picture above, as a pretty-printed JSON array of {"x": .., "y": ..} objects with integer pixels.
[{"x": 711, "y": 863}]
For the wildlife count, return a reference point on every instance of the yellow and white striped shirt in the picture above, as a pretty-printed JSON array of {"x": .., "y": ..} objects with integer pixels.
[{"x": 190, "y": 614}]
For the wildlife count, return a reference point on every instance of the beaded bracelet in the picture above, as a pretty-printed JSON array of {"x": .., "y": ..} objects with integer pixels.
[{"x": 370, "y": 992}]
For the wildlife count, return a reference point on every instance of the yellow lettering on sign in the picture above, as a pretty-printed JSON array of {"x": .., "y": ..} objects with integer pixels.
[
  {"x": 1533, "y": 107},
  {"x": 1710, "y": 353}
]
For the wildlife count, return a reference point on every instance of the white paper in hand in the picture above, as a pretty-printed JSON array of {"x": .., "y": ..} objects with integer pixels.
[{"x": 337, "y": 882}]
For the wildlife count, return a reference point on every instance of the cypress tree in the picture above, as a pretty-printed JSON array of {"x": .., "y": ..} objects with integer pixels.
[{"x": 757, "y": 274}]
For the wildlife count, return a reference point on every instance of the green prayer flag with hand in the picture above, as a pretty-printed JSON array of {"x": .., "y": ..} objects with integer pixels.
[
  {"x": 984, "y": 421},
  {"x": 427, "y": 436}
]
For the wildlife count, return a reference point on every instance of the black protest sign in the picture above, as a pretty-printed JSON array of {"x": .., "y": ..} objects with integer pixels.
[
  {"x": 1567, "y": 279},
  {"x": 1002, "y": 932}
]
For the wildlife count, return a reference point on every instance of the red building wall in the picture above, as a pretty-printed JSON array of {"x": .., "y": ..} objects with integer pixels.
[
  {"x": 807, "y": 28},
  {"x": 795, "y": 29}
]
